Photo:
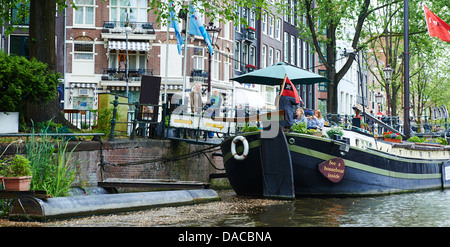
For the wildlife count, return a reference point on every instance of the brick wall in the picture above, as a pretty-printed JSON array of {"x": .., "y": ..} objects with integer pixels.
[{"x": 86, "y": 157}]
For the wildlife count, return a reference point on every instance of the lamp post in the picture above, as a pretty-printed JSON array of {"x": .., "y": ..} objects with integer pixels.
[
  {"x": 127, "y": 31},
  {"x": 379, "y": 100},
  {"x": 388, "y": 75},
  {"x": 213, "y": 32}
]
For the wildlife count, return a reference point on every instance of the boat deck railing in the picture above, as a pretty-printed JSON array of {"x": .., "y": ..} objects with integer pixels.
[{"x": 420, "y": 125}]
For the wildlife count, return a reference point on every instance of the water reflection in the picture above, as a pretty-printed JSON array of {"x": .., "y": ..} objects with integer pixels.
[{"x": 415, "y": 209}]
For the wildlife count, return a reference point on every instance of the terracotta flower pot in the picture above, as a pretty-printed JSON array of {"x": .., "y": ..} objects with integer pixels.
[
  {"x": 17, "y": 183},
  {"x": 393, "y": 140}
]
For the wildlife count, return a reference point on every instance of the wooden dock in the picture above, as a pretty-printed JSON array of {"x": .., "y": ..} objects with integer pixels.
[{"x": 152, "y": 184}]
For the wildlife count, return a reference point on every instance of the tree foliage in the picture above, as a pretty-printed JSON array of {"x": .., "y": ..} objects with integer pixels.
[
  {"x": 383, "y": 34},
  {"x": 222, "y": 10},
  {"x": 24, "y": 81}
]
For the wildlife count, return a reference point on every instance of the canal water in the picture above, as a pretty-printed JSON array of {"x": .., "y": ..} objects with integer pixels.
[{"x": 430, "y": 208}]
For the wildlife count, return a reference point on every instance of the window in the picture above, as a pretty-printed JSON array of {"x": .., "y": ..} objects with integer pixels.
[
  {"x": 19, "y": 45},
  {"x": 278, "y": 29},
  {"x": 286, "y": 47},
  {"x": 17, "y": 18},
  {"x": 264, "y": 56},
  {"x": 252, "y": 58},
  {"x": 292, "y": 16},
  {"x": 264, "y": 22},
  {"x": 226, "y": 68},
  {"x": 245, "y": 54},
  {"x": 277, "y": 56},
  {"x": 136, "y": 10},
  {"x": 84, "y": 15},
  {"x": 323, "y": 49},
  {"x": 270, "y": 56},
  {"x": 271, "y": 25},
  {"x": 252, "y": 20},
  {"x": 286, "y": 15},
  {"x": 237, "y": 56},
  {"x": 305, "y": 54},
  {"x": 299, "y": 53},
  {"x": 215, "y": 66},
  {"x": 83, "y": 51},
  {"x": 270, "y": 94},
  {"x": 323, "y": 85},
  {"x": 198, "y": 58},
  {"x": 136, "y": 60},
  {"x": 293, "y": 49}
]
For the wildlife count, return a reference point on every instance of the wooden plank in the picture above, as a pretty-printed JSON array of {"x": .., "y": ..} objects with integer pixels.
[
  {"x": 152, "y": 183},
  {"x": 275, "y": 116}
]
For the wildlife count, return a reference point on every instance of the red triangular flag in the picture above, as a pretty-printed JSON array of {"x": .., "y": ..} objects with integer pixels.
[
  {"x": 290, "y": 90},
  {"x": 436, "y": 26}
]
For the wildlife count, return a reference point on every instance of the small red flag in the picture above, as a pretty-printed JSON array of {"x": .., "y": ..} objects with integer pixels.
[
  {"x": 436, "y": 26},
  {"x": 289, "y": 90}
]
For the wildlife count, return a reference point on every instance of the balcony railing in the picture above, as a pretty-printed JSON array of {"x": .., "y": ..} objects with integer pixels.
[
  {"x": 114, "y": 74},
  {"x": 119, "y": 27},
  {"x": 250, "y": 34},
  {"x": 198, "y": 75}
]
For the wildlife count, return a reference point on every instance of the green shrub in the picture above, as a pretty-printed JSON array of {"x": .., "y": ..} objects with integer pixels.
[
  {"x": 24, "y": 81},
  {"x": 16, "y": 166},
  {"x": 52, "y": 165}
]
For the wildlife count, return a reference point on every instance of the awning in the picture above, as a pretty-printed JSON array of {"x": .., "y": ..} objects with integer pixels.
[{"x": 132, "y": 45}]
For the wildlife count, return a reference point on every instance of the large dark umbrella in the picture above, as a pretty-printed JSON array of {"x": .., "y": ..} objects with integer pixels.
[{"x": 274, "y": 74}]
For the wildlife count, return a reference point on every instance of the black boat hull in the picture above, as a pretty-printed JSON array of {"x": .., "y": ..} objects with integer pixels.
[{"x": 367, "y": 171}]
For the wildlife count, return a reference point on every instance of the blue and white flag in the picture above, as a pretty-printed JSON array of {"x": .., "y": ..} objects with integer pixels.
[
  {"x": 174, "y": 25},
  {"x": 197, "y": 28}
]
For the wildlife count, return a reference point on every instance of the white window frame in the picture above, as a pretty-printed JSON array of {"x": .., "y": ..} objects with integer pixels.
[
  {"x": 278, "y": 29},
  {"x": 141, "y": 15},
  {"x": 277, "y": 56},
  {"x": 198, "y": 60},
  {"x": 271, "y": 25},
  {"x": 237, "y": 55},
  {"x": 286, "y": 47},
  {"x": 264, "y": 56},
  {"x": 75, "y": 53},
  {"x": 264, "y": 22},
  {"x": 292, "y": 51},
  {"x": 82, "y": 7},
  {"x": 270, "y": 56},
  {"x": 252, "y": 55}
]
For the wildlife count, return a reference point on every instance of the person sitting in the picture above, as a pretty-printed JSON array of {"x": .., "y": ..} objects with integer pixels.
[
  {"x": 299, "y": 116},
  {"x": 316, "y": 121}
]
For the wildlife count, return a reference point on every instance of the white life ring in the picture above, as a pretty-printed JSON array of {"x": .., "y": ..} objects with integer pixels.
[{"x": 233, "y": 148}]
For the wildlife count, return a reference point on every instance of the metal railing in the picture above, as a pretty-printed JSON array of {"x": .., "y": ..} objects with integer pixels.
[
  {"x": 82, "y": 119},
  {"x": 137, "y": 27},
  {"x": 115, "y": 74},
  {"x": 142, "y": 119},
  {"x": 420, "y": 125}
]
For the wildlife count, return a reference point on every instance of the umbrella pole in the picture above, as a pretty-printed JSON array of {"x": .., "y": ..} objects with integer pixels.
[{"x": 281, "y": 91}]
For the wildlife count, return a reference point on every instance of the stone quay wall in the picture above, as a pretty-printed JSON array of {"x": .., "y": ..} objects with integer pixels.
[{"x": 157, "y": 156}]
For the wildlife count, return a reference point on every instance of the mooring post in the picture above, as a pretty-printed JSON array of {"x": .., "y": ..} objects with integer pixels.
[
  {"x": 136, "y": 113},
  {"x": 113, "y": 120}
]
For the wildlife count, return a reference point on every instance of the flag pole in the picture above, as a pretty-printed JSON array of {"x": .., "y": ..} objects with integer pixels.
[
  {"x": 281, "y": 90},
  {"x": 406, "y": 124},
  {"x": 188, "y": 18},
  {"x": 167, "y": 56}
]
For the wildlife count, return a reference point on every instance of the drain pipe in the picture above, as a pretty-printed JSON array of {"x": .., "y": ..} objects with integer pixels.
[{"x": 31, "y": 208}]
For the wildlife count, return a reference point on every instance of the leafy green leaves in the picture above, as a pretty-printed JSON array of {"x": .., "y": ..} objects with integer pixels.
[{"x": 23, "y": 81}]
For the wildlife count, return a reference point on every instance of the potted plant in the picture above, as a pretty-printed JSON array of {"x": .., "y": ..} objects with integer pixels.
[
  {"x": 16, "y": 172},
  {"x": 392, "y": 137}
]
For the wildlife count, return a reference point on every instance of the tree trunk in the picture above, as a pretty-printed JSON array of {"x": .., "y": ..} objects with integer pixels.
[{"x": 43, "y": 48}]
